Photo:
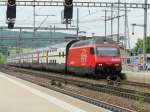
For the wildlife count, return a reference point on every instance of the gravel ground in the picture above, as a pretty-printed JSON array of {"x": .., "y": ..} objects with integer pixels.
[
  {"x": 138, "y": 105},
  {"x": 142, "y": 88},
  {"x": 137, "y": 88}
]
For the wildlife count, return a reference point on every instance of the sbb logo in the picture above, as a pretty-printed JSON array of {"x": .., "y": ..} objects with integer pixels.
[{"x": 83, "y": 56}]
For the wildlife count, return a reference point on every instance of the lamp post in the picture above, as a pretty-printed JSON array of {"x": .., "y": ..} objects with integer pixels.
[
  {"x": 34, "y": 18},
  {"x": 145, "y": 35}
]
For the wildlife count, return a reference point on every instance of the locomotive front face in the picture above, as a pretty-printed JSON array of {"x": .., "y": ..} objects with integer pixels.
[{"x": 108, "y": 59}]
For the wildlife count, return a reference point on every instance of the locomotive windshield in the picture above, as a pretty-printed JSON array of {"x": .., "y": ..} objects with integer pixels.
[{"x": 106, "y": 51}]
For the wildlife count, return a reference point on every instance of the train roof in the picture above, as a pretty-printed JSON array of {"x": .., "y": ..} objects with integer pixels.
[
  {"x": 50, "y": 47},
  {"x": 95, "y": 41}
]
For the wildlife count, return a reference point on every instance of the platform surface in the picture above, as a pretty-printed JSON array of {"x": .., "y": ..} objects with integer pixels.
[
  {"x": 17, "y": 95},
  {"x": 140, "y": 77}
]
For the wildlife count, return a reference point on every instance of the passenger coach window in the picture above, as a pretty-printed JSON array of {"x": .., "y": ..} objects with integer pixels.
[
  {"x": 59, "y": 54},
  {"x": 63, "y": 54},
  {"x": 92, "y": 50}
]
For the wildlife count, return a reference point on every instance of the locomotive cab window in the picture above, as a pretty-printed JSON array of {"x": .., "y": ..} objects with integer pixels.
[{"x": 107, "y": 51}]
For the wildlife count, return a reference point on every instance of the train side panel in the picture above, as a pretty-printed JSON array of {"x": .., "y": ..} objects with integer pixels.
[
  {"x": 80, "y": 60},
  {"x": 56, "y": 59}
]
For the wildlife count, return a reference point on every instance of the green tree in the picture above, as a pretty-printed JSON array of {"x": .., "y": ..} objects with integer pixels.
[{"x": 139, "y": 44}]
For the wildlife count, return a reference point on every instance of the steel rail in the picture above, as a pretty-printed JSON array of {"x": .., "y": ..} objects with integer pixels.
[
  {"x": 98, "y": 103},
  {"x": 127, "y": 93}
]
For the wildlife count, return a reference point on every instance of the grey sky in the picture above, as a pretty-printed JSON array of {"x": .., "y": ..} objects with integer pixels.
[{"x": 91, "y": 19}]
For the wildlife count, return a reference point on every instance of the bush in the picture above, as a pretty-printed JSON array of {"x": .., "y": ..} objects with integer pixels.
[{"x": 2, "y": 59}]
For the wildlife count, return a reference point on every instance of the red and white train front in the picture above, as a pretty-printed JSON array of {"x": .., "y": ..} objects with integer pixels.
[{"x": 108, "y": 59}]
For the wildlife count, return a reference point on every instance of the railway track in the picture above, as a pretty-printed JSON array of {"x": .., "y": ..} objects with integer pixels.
[
  {"x": 127, "y": 93},
  {"x": 48, "y": 84}
]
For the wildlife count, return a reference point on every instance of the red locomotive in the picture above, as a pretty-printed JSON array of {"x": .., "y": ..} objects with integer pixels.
[{"x": 93, "y": 57}]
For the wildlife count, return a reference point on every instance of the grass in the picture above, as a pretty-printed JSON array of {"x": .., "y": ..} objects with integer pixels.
[
  {"x": 140, "y": 101},
  {"x": 2, "y": 59}
]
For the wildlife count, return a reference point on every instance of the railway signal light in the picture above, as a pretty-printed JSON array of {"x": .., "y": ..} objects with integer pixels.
[
  {"x": 11, "y": 13},
  {"x": 68, "y": 9}
]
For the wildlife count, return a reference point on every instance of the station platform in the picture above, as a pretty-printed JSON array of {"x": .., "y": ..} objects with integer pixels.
[
  {"x": 135, "y": 76},
  {"x": 17, "y": 95}
]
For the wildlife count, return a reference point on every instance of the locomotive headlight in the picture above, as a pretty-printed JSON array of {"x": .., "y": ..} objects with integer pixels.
[
  {"x": 117, "y": 65},
  {"x": 100, "y": 64}
]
